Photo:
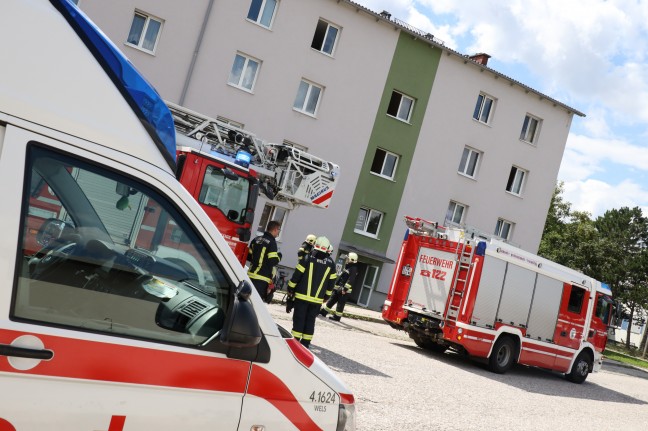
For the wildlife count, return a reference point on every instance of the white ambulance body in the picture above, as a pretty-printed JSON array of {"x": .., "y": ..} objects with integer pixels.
[{"x": 121, "y": 306}]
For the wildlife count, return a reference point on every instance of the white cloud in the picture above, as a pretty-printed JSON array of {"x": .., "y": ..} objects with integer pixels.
[{"x": 596, "y": 197}]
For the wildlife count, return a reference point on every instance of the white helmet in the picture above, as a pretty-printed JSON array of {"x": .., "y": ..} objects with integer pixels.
[
  {"x": 322, "y": 244},
  {"x": 311, "y": 239},
  {"x": 353, "y": 258}
]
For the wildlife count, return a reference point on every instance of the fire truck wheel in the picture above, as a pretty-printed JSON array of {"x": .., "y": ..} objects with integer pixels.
[
  {"x": 581, "y": 368},
  {"x": 503, "y": 355}
]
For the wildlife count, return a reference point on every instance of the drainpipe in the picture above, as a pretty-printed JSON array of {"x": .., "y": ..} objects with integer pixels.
[{"x": 195, "y": 54}]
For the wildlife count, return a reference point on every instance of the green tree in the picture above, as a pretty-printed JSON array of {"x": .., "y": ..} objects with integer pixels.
[{"x": 625, "y": 261}]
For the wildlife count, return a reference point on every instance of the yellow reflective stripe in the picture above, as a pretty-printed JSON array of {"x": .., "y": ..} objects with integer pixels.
[
  {"x": 258, "y": 277},
  {"x": 327, "y": 309},
  {"x": 310, "y": 279},
  {"x": 319, "y": 289},
  {"x": 329, "y": 292},
  {"x": 292, "y": 284},
  {"x": 299, "y": 268},
  {"x": 297, "y": 334},
  {"x": 260, "y": 263},
  {"x": 307, "y": 337},
  {"x": 273, "y": 254},
  {"x": 309, "y": 298}
]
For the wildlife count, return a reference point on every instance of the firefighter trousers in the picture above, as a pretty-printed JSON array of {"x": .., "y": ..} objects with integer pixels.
[
  {"x": 261, "y": 287},
  {"x": 304, "y": 315},
  {"x": 336, "y": 298}
]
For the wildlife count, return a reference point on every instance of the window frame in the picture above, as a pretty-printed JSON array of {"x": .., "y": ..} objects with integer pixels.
[
  {"x": 242, "y": 77},
  {"x": 384, "y": 161},
  {"x": 266, "y": 218},
  {"x": 142, "y": 36},
  {"x": 367, "y": 220},
  {"x": 329, "y": 25},
  {"x": 462, "y": 217},
  {"x": 510, "y": 184},
  {"x": 478, "y": 112},
  {"x": 466, "y": 162},
  {"x": 307, "y": 98},
  {"x": 499, "y": 228},
  {"x": 262, "y": 13},
  {"x": 400, "y": 106},
  {"x": 524, "y": 133}
]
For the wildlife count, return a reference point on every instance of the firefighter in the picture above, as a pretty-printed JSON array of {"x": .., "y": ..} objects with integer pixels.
[
  {"x": 342, "y": 291},
  {"x": 306, "y": 247},
  {"x": 314, "y": 278},
  {"x": 264, "y": 257}
]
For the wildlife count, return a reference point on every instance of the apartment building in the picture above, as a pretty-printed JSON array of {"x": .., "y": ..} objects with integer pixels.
[{"x": 417, "y": 128}]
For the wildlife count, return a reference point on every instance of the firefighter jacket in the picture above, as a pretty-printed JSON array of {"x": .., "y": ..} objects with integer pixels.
[
  {"x": 304, "y": 250},
  {"x": 347, "y": 277},
  {"x": 263, "y": 256},
  {"x": 314, "y": 278}
]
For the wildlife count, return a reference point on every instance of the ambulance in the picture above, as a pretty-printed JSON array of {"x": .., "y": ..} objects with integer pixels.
[{"x": 122, "y": 308}]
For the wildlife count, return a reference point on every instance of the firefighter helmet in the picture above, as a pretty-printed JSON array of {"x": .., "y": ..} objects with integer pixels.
[
  {"x": 322, "y": 244},
  {"x": 353, "y": 258},
  {"x": 311, "y": 239}
]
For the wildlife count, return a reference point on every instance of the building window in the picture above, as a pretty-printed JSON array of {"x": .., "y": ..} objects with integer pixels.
[
  {"x": 368, "y": 222},
  {"x": 503, "y": 228},
  {"x": 483, "y": 108},
  {"x": 400, "y": 106},
  {"x": 308, "y": 97},
  {"x": 325, "y": 37},
  {"x": 384, "y": 164},
  {"x": 530, "y": 129},
  {"x": 144, "y": 32},
  {"x": 262, "y": 12},
  {"x": 270, "y": 213},
  {"x": 516, "y": 180},
  {"x": 456, "y": 213},
  {"x": 469, "y": 162},
  {"x": 244, "y": 72}
]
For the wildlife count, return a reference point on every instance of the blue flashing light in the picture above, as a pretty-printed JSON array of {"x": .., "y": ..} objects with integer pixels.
[
  {"x": 143, "y": 99},
  {"x": 606, "y": 288},
  {"x": 243, "y": 158},
  {"x": 481, "y": 248}
]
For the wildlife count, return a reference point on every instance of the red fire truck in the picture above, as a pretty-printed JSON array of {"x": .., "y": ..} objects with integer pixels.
[
  {"x": 224, "y": 167},
  {"x": 456, "y": 288}
]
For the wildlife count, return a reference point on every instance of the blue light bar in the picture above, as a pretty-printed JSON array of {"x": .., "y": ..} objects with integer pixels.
[
  {"x": 143, "y": 99},
  {"x": 243, "y": 158}
]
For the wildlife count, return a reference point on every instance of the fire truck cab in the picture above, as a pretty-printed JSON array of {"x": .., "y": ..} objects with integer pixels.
[
  {"x": 122, "y": 307},
  {"x": 455, "y": 288}
]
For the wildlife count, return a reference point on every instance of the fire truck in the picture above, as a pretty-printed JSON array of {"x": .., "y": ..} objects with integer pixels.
[
  {"x": 460, "y": 289},
  {"x": 224, "y": 167}
]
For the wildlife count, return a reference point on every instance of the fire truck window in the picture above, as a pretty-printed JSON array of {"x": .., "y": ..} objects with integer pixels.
[
  {"x": 603, "y": 308},
  {"x": 224, "y": 192},
  {"x": 576, "y": 300},
  {"x": 118, "y": 257}
]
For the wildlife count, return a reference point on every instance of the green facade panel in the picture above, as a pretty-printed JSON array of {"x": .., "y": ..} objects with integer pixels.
[{"x": 412, "y": 71}]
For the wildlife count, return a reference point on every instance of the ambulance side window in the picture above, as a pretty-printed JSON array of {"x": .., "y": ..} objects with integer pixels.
[{"x": 102, "y": 252}]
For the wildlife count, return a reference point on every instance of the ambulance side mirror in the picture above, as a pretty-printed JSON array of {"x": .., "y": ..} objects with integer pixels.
[{"x": 241, "y": 327}]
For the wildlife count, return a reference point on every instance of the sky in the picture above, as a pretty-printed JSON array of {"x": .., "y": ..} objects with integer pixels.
[{"x": 589, "y": 54}]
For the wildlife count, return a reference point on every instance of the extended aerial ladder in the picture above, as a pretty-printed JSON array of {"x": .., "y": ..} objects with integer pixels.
[{"x": 286, "y": 173}]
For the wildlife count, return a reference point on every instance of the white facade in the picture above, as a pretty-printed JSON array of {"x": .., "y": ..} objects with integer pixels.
[{"x": 353, "y": 79}]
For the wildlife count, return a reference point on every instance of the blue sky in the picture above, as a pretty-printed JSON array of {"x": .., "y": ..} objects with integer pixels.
[{"x": 588, "y": 54}]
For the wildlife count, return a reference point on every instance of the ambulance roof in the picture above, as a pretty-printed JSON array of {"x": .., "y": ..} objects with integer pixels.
[{"x": 65, "y": 74}]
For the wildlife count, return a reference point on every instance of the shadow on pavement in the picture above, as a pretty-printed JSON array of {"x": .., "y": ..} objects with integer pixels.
[
  {"x": 537, "y": 380},
  {"x": 342, "y": 363}
]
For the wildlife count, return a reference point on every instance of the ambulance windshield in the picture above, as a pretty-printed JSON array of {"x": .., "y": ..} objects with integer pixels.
[{"x": 106, "y": 253}]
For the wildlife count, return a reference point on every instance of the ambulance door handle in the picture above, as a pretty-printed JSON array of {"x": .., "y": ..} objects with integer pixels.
[
  {"x": 23, "y": 352},
  {"x": 563, "y": 334}
]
